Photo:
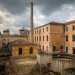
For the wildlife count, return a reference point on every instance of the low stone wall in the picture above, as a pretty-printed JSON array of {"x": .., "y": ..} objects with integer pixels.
[{"x": 60, "y": 64}]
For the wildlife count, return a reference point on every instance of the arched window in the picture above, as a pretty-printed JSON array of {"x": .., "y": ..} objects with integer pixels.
[{"x": 31, "y": 50}]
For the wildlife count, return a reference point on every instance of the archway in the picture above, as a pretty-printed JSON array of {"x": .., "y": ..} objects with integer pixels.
[{"x": 31, "y": 50}]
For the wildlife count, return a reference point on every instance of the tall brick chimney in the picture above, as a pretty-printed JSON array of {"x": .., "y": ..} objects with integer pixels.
[{"x": 31, "y": 19}]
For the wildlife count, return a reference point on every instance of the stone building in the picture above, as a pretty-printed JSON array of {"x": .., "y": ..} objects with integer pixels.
[
  {"x": 70, "y": 37},
  {"x": 49, "y": 36},
  {"x": 23, "y": 48}
]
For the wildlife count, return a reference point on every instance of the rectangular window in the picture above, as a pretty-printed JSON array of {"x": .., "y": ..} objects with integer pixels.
[
  {"x": 47, "y": 37},
  {"x": 73, "y": 50},
  {"x": 35, "y": 38},
  {"x": 43, "y": 38},
  {"x": 66, "y": 49},
  {"x": 39, "y": 38},
  {"x": 73, "y": 37},
  {"x": 31, "y": 50},
  {"x": 66, "y": 37},
  {"x": 73, "y": 27},
  {"x": 20, "y": 51}
]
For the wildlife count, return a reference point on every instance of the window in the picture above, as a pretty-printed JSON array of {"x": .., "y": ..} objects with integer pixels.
[
  {"x": 20, "y": 51},
  {"x": 73, "y": 50},
  {"x": 73, "y": 27},
  {"x": 39, "y": 38},
  {"x": 43, "y": 38},
  {"x": 73, "y": 37},
  {"x": 35, "y": 38},
  {"x": 66, "y": 49},
  {"x": 66, "y": 37},
  {"x": 43, "y": 29},
  {"x": 47, "y": 28},
  {"x": 47, "y": 37},
  {"x": 31, "y": 50}
]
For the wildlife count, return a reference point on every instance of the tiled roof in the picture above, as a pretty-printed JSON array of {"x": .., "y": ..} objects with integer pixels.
[{"x": 20, "y": 42}]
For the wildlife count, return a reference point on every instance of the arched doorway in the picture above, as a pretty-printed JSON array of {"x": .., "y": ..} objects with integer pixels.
[{"x": 31, "y": 50}]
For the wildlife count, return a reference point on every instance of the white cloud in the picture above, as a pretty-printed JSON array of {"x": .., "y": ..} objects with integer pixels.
[
  {"x": 9, "y": 21},
  {"x": 39, "y": 17},
  {"x": 65, "y": 13}
]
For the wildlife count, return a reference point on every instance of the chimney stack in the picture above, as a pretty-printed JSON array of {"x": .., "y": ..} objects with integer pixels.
[{"x": 31, "y": 20}]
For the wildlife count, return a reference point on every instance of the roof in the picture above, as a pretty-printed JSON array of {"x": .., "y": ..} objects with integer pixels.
[
  {"x": 50, "y": 23},
  {"x": 69, "y": 22},
  {"x": 56, "y": 23},
  {"x": 13, "y": 35},
  {"x": 20, "y": 42}
]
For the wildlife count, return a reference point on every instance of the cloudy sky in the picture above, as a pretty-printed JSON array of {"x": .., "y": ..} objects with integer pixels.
[{"x": 14, "y": 14}]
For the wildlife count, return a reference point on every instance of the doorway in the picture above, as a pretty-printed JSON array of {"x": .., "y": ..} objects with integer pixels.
[{"x": 20, "y": 51}]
